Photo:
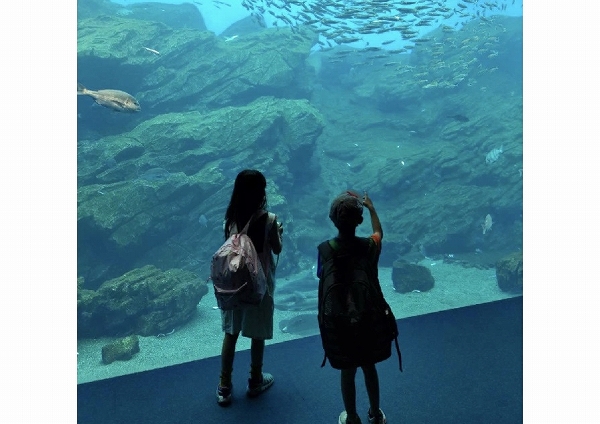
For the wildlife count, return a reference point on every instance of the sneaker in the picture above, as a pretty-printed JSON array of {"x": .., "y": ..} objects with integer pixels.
[
  {"x": 224, "y": 395},
  {"x": 255, "y": 388},
  {"x": 343, "y": 419},
  {"x": 378, "y": 419}
]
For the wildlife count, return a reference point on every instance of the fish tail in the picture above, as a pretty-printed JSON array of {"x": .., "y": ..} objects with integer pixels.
[{"x": 80, "y": 88}]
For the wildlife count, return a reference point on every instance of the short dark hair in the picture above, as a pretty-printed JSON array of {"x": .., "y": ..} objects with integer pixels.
[{"x": 346, "y": 211}]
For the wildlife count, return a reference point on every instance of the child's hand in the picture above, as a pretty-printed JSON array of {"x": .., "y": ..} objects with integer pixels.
[{"x": 367, "y": 201}]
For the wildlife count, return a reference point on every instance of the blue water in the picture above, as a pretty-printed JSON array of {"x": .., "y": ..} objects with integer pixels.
[
  {"x": 417, "y": 102},
  {"x": 219, "y": 16}
]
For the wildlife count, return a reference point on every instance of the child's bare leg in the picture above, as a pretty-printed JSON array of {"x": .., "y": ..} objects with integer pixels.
[
  {"x": 349, "y": 391},
  {"x": 372, "y": 385}
]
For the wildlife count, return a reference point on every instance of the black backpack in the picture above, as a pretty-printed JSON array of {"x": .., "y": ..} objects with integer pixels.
[{"x": 357, "y": 325}]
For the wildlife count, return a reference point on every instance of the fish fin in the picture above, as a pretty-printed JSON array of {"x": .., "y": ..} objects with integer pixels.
[{"x": 80, "y": 88}]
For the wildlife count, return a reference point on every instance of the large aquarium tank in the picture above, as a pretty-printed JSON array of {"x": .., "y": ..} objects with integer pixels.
[{"x": 419, "y": 103}]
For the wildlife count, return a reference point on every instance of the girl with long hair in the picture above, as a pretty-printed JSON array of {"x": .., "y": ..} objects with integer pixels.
[{"x": 249, "y": 204}]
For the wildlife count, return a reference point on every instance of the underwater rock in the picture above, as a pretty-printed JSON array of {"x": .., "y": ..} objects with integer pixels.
[
  {"x": 144, "y": 301},
  {"x": 129, "y": 213},
  {"x": 205, "y": 71},
  {"x": 169, "y": 68},
  {"x": 407, "y": 277},
  {"x": 121, "y": 349},
  {"x": 509, "y": 273},
  {"x": 184, "y": 15},
  {"x": 445, "y": 185},
  {"x": 91, "y": 8}
]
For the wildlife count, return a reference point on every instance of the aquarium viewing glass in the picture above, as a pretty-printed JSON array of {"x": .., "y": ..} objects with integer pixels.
[{"x": 418, "y": 103}]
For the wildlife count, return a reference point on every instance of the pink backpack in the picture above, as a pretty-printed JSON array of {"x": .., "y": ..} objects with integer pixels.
[{"x": 237, "y": 273}]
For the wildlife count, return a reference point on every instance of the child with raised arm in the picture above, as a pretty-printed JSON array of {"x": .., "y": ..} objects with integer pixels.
[{"x": 340, "y": 258}]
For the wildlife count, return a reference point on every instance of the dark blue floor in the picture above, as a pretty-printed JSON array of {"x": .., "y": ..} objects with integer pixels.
[{"x": 460, "y": 366}]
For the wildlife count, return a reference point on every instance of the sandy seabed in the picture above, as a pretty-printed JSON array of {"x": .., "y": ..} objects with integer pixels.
[{"x": 455, "y": 286}]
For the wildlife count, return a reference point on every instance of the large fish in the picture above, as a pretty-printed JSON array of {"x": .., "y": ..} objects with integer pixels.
[
  {"x": 301, "y": 325},
  {"x": 298, "y": 293},
  {"x": 113, "y": 99},
  {"x": 297, "y": 301}
]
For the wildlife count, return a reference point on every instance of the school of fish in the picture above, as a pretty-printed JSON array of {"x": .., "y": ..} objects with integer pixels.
[
  {"x": 346, "y": 21},
  {"x": 340, "y": 22}
]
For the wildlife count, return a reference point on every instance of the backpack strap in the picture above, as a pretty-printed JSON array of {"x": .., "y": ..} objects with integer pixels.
[
  {"x": 326, "y": 252},
  {"x": 399, "y": 354},
  {"x": 326, "y": 249}
]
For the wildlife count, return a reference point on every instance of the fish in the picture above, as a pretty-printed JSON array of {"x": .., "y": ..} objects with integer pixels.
[
  {"x": 117, "y": 100},
  {"x": 296, "y": 301},
  {"x": 301, "y": 325},
  {"x": 155, "y": 174},
  {"x": 203, "y": 220},
  {"x": 487, "y": 223},
  {"x": 493, "y": 155},
  {"x": 298, "y": 294},
  {"x": 305, "y": 281},
  {"x": 459, "y": 118},
  {"x": 152, "y": 50},
  {"x": 124, "y": 12}
]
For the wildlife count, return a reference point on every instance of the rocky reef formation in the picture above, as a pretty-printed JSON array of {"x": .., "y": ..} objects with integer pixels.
[
  {"x": 141, "y": 195},
  {"x": 193, "y": 70},
  {"x": 144, "y": 301},
  {"x": 184, "y": 15},
  {"x": 416, "y": 131},
  {"x": 509, "y": 273},
  {"x": 408, "y": 277},
  {"x": 413, "y": 130},
  {"x": 121, "y": 349}
]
